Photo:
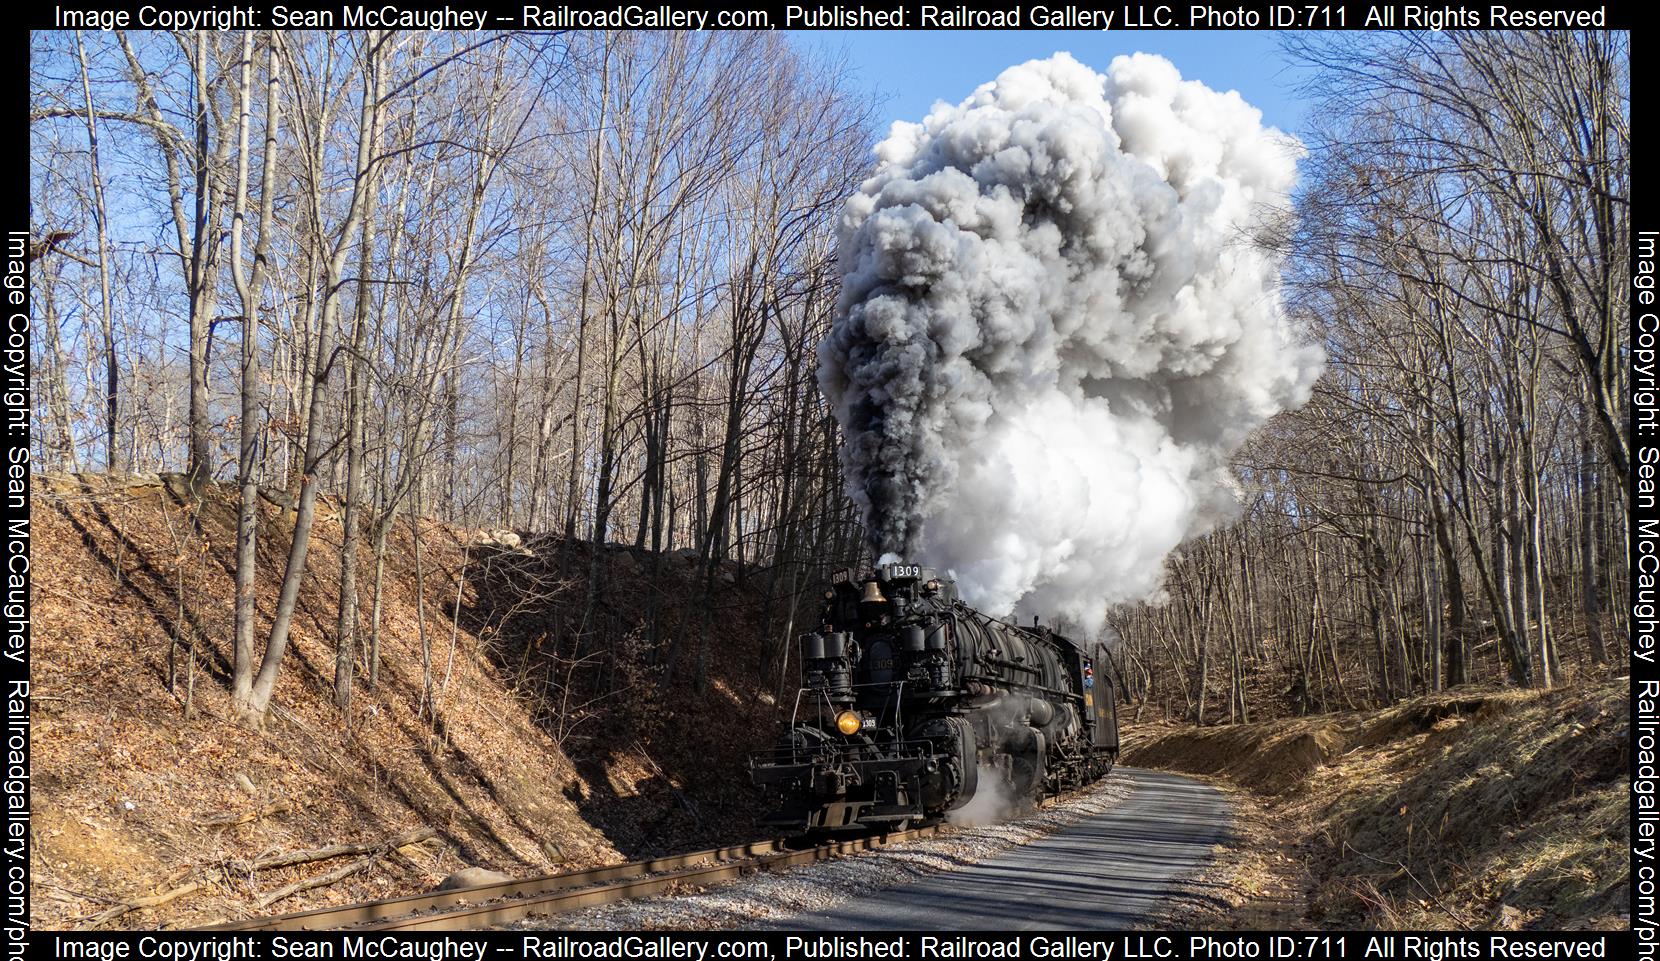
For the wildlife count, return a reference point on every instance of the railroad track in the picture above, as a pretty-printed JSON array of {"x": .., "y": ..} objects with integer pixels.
[{"x": 485, "y": 905}]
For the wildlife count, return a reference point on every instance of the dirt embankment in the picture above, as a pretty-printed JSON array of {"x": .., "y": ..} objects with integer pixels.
[
  {"x": 520, "y": 767},
  {"x": 1471, "y": 809}
]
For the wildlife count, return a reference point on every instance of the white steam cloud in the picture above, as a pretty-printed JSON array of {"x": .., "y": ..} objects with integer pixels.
[
  {"x": 993, "y": 802},
  {"x": 1057, "y": 321}
]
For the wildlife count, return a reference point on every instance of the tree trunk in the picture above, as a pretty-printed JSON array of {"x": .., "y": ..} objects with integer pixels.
[
  {"x": 345, "y": 656},
  {"x": 305, "y": 510},
  {"x": 100, "y": 218},
  {"x": 248, "y": 287},
  {"x": 1590, "y": 595}
]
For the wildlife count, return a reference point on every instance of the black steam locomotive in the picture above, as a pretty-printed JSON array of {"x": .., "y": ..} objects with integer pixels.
[{"x": 911, "y": 700}]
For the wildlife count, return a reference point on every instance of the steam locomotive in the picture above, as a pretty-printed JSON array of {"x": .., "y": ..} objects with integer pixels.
[{"x": 912, "y": 703}]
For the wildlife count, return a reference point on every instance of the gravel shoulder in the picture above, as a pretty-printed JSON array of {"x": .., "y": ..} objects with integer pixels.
[{"x": 1103, "y": 858}]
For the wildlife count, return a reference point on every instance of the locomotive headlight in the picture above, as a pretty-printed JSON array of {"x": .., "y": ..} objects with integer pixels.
[{"x": 849, "y": 722}]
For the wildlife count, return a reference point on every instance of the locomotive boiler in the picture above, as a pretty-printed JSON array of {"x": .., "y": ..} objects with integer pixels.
[{"x": 911, "y": 703}]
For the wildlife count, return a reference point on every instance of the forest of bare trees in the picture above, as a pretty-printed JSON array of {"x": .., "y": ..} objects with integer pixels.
[
  {"x": 575, "y": 284},
  {"x": 568, "y": 283},
  {"x": 1451, "y": 506}
]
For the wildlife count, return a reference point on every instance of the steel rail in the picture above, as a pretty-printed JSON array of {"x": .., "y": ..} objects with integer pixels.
[
  {"x": 349, "y": 915},
  {"x": 484, "y": 905},
  {"x": 475, "y": 917}
]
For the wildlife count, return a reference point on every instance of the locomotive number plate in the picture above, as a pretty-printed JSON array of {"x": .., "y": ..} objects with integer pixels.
[{"x": 896, "y": 571}]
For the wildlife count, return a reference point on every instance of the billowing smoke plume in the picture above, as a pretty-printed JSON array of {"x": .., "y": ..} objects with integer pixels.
[{"x": 1057, "y": 321}]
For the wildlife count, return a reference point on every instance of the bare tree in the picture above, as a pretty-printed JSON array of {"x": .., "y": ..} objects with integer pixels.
[
  {"x": 249, "y": 286},
  {"x": 338, "y": 248}
]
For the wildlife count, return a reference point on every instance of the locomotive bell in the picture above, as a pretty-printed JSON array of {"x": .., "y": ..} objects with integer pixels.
[{"x": 872, "y": 594}]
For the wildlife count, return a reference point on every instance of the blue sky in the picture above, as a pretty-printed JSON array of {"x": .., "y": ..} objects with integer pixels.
[{"x": 910, "y": 69}]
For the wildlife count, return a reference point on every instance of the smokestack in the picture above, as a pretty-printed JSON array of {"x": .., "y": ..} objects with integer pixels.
[{"x": 1056, "y": 326}]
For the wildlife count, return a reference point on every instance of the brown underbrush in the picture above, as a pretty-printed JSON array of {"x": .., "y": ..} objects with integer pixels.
[
  {"x": 152, "y": 809},
  {"x": 1472, "y": 809}
]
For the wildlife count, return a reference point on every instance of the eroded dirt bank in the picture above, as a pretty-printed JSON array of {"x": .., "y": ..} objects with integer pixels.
[{"x": 1469, "y": 809}]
